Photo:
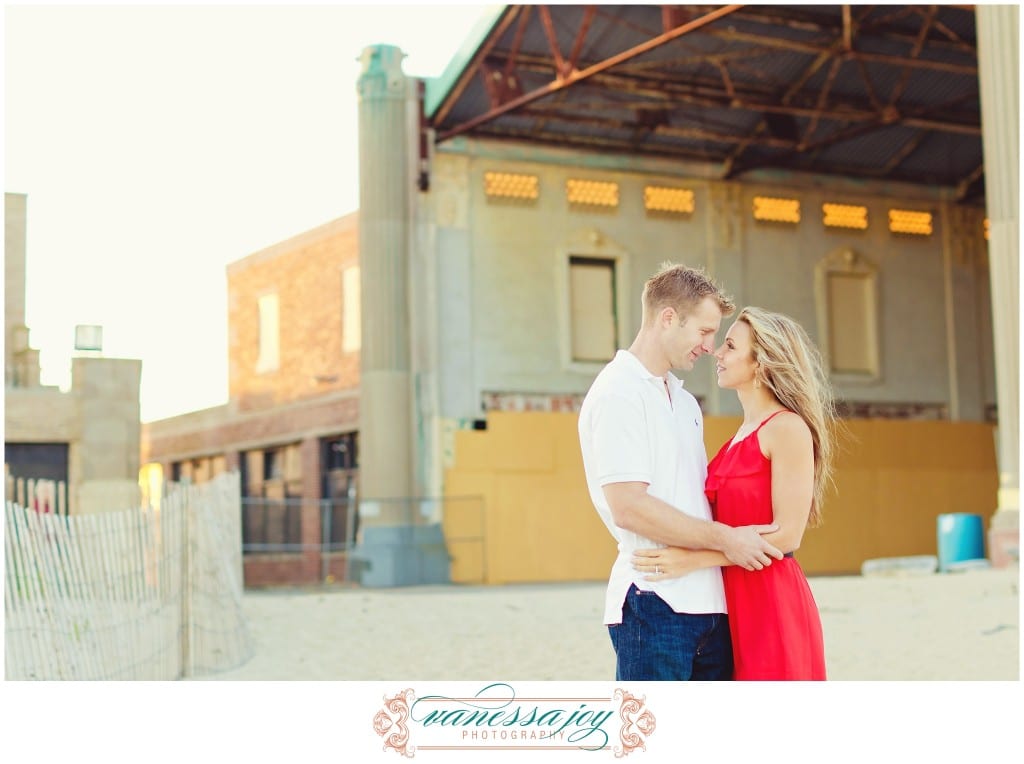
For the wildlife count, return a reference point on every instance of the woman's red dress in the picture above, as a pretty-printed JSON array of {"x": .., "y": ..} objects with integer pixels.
[{"x": 775, "y": 626}]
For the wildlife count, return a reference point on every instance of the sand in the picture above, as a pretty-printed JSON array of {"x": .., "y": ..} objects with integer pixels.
[{"x": 951, "y": 626}]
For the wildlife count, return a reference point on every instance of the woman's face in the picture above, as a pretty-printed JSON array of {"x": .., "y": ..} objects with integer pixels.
[{"x": 736, "y": 364}]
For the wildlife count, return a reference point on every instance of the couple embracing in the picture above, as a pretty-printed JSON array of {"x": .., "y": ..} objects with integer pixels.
[{"x": 705, "y": 585}]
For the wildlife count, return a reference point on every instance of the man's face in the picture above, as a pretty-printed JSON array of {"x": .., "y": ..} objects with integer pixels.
[{"x": 690, "y": 338}]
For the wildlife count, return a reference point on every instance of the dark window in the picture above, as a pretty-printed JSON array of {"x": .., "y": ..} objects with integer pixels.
[
  {"x": 341, "y": 452},
  {"x": 271, "y": 509},
  {"x": 37, "y": 461},
  {"x": 339, "y": 470},
  {"x": 271, "y": 464}
]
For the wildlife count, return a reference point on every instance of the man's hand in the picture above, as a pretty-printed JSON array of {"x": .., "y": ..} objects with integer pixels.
[{"x": 745, "y": 547}]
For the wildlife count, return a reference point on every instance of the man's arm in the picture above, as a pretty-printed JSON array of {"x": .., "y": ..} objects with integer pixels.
[{"x": 635, "y": 510}]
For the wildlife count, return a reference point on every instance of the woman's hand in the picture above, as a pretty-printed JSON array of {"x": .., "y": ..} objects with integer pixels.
[{"x": 669, "y": 562}]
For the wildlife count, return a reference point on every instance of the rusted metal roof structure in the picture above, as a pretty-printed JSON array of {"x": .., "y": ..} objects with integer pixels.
[{"x": 865, "y": 91}]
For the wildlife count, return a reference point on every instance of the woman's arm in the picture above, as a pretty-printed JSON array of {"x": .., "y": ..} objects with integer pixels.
[
  {"x": 786, "y": 442},
  {"x": 675, "y": 562}
]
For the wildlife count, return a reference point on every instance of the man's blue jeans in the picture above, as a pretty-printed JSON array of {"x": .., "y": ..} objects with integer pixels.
[{"x": 655, "y": 643}]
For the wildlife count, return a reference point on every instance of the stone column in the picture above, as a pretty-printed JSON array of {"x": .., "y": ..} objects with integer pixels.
[
  {"x": 997, "y": 29},
  {"x": 390, "y": 549},
  {"x": 385, "y": 383}
]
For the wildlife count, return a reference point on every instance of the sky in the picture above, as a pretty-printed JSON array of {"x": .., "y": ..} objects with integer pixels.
[{"x": 157, "y": 144}]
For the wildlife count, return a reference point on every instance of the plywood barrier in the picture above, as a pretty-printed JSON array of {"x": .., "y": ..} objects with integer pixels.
[{"x": 536, "y": 522}]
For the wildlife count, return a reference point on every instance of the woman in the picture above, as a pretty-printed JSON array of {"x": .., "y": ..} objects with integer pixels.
[{"x": 774, "y": 470}]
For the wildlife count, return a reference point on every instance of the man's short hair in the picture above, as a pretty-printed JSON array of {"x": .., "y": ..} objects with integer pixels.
[{"x": 682, "y": 288}]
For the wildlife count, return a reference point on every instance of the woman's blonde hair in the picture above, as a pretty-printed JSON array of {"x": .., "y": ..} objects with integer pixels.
[{"x": 791, "y": 367}]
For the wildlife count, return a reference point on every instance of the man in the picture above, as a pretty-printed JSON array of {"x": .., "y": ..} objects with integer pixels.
[{"x": 642, "y": 436}]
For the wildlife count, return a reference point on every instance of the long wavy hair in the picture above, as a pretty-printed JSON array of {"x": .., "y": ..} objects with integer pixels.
[{"x": 792, "y": 369}]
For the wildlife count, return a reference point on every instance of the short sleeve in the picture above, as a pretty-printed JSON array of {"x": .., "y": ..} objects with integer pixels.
[{"x": 622, "y": 451}]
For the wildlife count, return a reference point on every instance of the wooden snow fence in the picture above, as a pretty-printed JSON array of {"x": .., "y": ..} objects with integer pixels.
[{"x": 137, "y": 594}]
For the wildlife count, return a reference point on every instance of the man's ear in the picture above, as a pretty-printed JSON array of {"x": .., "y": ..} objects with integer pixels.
[{"x": 667, "y": 317}]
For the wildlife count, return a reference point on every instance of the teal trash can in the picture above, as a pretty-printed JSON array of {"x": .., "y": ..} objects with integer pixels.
[{"x": 960, "y": 538}]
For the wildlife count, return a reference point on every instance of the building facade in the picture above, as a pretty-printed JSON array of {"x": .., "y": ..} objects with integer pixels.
[
  {"x": 552, "y": 169},
  {"x": 86, "y": 438},
  {"x": 552, "y": 288},
  {"x": 291, "y": 421}
]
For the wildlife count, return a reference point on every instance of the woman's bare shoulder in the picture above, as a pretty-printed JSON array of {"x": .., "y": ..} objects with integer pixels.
[{"x": 785, "y": 431}]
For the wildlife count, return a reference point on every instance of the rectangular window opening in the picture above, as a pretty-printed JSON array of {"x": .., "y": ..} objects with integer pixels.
[
  {"x": 269, "y": 334},
  {"x": 845, "y": 216},
  {"x": 508, "y": 185},
  {"x": 770, "y": 209},
  {"x": 910, "y": 222},
  {"x": 351, "y": 322},
  {"x": 592, "y": 309},
  {"x": 592, "y": 193},
  {"x": 851, "y": 325},
  {"x": 673, "y": 201}
]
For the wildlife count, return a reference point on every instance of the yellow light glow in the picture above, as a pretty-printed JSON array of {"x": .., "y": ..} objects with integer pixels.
[
  {"x": 910, "y": 222},
  {"x": 592, "y": 192},
  {"x": 151, "y": 481},
  {"x": 986, "y": 229},
  {"x": 508, "y": 185},
  {"x": 664, "y": 199},
  {"x": 776, "y": 210},
  {"x": 845, "y": 216}
]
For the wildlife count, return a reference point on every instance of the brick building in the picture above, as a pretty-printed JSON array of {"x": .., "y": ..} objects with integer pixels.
[{"x": 290, "y": 422}]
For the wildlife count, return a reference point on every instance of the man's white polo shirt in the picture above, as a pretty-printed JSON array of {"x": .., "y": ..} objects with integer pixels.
[{"x": 630, "y": 432}]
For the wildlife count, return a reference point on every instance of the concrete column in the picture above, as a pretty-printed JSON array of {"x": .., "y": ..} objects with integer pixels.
[
  {"x": 395, "y": 544},
  {"x": 998, "y": 57},
  {"x": 385, "y": 434}
]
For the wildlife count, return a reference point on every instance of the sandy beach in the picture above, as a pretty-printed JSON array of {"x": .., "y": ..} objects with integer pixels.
[{"x": 953, "y": 626}]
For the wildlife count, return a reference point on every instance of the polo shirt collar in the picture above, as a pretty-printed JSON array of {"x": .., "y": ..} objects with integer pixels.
[{"x": 627, "y": 359}]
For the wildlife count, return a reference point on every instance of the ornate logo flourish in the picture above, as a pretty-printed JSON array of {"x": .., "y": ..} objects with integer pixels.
[
  {"x": 390, "y": 721},
  {"x": 637, "y": 723}
]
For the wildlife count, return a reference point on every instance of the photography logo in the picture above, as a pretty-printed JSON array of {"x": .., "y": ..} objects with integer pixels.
[{"x": 496, "y": 719}]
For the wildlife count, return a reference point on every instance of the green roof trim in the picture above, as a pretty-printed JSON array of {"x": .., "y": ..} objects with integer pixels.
[{"x": 439, "y": 87}]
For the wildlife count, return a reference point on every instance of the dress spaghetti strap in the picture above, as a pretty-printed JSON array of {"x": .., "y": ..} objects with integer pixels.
[{"x": 769, "y": 418}]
